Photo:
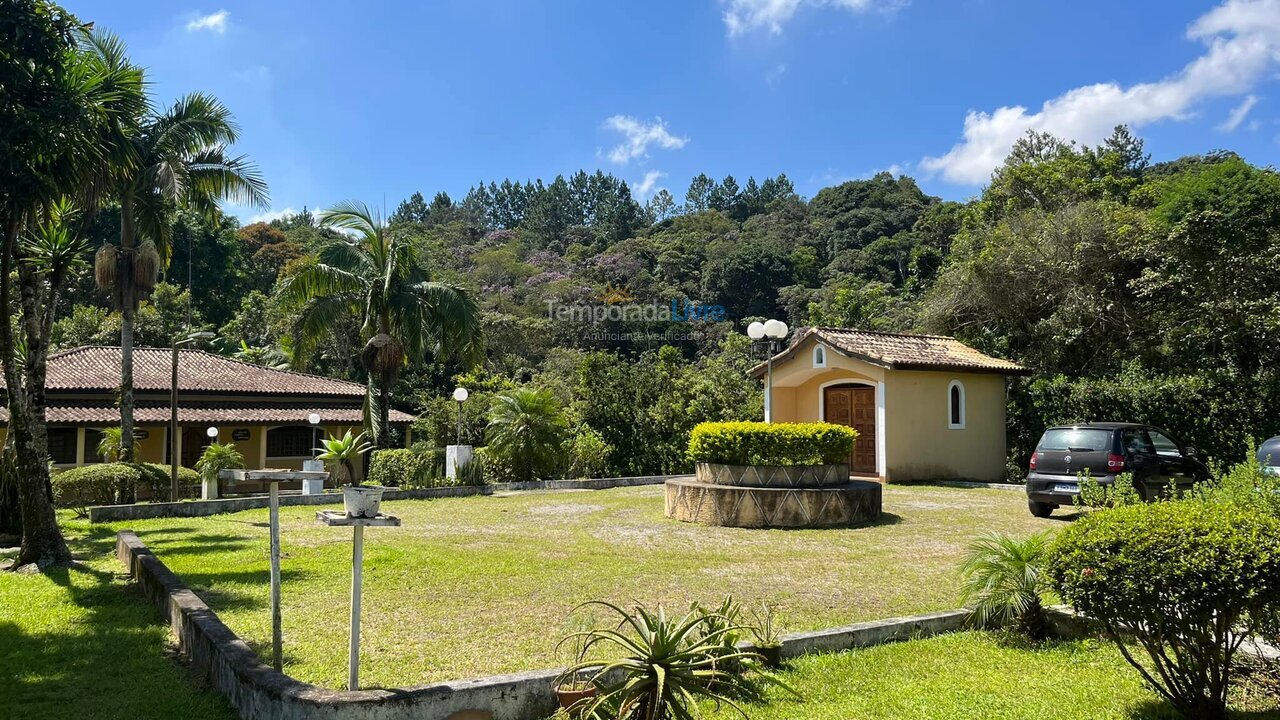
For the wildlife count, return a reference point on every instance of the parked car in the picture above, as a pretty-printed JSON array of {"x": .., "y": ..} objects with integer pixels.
[
  {"x": 1151, "y": 455},
  {"x": 1269, "y": 456}
]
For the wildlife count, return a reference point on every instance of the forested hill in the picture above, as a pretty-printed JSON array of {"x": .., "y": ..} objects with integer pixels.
[{"x": 1134, "y": 290}]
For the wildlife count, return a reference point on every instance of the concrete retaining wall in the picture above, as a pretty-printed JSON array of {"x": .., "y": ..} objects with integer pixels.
[
  {"x": 258, "y": 692},
  {"x": 201, "y": 508}
]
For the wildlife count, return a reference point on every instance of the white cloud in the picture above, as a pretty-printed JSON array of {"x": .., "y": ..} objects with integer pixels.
[
  {"x": 1242, "y": 39},
  {"x": 1238, "y": 113},
  {"x": 214, "y": 22},
  {"x": 648, "y": 184},
  {"x": 638, "y": 136},
  {"x": 741, "y": 16},
  {"x": 774, "y": 76}
]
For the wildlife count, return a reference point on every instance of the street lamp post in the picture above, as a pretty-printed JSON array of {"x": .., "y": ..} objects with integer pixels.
[
  {"x": 768, "y": 335},
  {"x": 460, "y": 395},
  {"x": 173, "y": 412}
]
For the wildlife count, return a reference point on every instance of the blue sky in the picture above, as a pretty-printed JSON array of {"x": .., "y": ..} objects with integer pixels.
[{"x": 365, "y": 100}]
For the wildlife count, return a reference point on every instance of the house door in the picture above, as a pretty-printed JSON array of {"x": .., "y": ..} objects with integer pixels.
[
  {"x": 855, "y": 406},
  {"x": 194, "y": 441}
]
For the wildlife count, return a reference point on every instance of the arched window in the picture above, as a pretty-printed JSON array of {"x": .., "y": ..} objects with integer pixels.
[
  {"x": 819, "y": 356},
  {"x": 955, "y": 405}
]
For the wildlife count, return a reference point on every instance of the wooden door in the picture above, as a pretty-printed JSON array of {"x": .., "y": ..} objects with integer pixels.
[{"x": 855, "y": 406}]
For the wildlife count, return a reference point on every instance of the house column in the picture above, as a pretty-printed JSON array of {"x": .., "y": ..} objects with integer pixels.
[
  {"x": 80, "y": 448},
  {"x": 881, "y": 456}
]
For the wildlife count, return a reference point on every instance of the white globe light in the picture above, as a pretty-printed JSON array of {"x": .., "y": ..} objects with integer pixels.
[
  {"x": 755, "y": 330},
  {"x": 775, "y": 329},
  {"x": 314, "y": 418},
  {"x": 460, "y": 394},
  {"x": 212, "y": 432}
]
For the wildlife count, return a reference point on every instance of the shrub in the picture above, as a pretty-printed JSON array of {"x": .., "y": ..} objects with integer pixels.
[
  {"x": 1094, "y": 494},
  {"x": 757, "y": 443},
  {"x": 105, "y": 483},
  {"x": 1188, "y": 578},
  {"x": 587, "y": 452},
  {"x": 407, "y": 468},
  {"x": 217, "y": 457},
  {"x": 526, "y": 428},
  {"x": 1003, "y": 579}
]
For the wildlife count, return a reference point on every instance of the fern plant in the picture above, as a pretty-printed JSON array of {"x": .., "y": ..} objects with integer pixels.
[{"x": 1003, "y": 580}]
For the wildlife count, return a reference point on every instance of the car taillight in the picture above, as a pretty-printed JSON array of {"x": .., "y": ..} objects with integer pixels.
[
  {"x": 1033, "y": 461},
  {"x": 1115, "y": 463}
]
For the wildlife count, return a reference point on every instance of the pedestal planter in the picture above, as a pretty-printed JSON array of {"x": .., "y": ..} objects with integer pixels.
[
  {"x": 362, "y": 501},
  {"x": 752, "y": 496},
  {"x": 775, "y": 476}
]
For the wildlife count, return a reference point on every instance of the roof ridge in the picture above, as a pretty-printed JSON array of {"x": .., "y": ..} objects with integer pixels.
[
  {"x": 828, "y": 328},
  {"x": 81, "y": 348}
]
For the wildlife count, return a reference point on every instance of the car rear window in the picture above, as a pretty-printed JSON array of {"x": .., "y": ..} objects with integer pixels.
[{"x": 1075, "y": 440}]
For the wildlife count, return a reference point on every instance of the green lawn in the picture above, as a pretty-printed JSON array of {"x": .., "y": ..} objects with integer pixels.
[
  {"x": 968, "y": 675},
  {"x": 476, "y": 586},
  {"x": 81, "y": 643}
]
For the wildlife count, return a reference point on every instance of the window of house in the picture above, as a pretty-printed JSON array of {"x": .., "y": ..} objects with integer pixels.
[
  {"x": 819, "y": 356},
  {"x": 62, "y": 446},
  {"x": 292, "y": 442},
  {"x": 955, "y": 405},
  {"x": 92, "y": 437}
]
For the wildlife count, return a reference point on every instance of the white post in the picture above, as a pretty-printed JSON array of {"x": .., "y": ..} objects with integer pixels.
[
  {"x": 357, "y": 568},
  {"x": 277, "y": 634},
  {"x": 768, "y": 390}
]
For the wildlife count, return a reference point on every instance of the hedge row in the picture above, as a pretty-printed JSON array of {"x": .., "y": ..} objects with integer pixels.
[
  {"x": 413, "y": 469},
  {"x": 758, "y": 443},
  {"x": 110, "y": 483}
]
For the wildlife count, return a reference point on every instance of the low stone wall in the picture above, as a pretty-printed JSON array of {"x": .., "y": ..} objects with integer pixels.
[
  {"x": 852, "y": 503},
  {"x": 201, "y": 508},
  {"x": 772, "y": 476},
  {"x": 259, "y": 692}
]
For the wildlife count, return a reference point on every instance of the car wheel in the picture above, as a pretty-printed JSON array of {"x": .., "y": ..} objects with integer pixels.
[{"x": 1040, "y": 509}]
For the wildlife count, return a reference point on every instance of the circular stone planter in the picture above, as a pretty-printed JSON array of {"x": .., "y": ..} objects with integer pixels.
[
  {"x": 773, "y": 476},
  {"x": 852, "y": 503}
]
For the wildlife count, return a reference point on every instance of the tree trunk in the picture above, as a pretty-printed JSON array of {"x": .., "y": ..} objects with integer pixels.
[
  {"x": 42, "y": 541},
  {"x": 383, "y": 441},
  {"x": 125, "y": 296}
]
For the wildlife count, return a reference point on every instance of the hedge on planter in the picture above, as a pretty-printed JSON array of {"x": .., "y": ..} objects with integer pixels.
[
  {"x": 1189, "y": 579},
  {"x": 108, "y": 483},
  {"x": 407, "y": 468},
  {"x": 758, "y": 443}
]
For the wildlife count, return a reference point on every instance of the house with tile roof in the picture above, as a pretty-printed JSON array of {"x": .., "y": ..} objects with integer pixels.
[
  {"x": 263, "y": 411},
  {"x": 926, "y": 407}
]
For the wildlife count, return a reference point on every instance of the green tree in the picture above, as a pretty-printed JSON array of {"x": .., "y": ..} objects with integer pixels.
[
  {"x": 180, "y": 159},
  {"x": 526, "y": 429},
  {"x": 378, "y": 278}
]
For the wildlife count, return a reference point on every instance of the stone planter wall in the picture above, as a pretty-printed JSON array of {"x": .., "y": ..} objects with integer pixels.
[
  {"x": 852, "y": 503},
  {"x": 773, "y": 476}
]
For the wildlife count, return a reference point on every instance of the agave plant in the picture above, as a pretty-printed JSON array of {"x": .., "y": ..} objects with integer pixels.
[
  {"x": 667, "y": 666},
  {"x": 1003, "y": 579},
  {"x": 341, "y": 453}
]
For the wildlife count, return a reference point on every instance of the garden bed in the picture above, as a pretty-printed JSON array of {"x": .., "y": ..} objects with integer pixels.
[{"x": 482, "y": 585}]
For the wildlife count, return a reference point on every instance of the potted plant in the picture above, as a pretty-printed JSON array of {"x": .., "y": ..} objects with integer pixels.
[
  {"x": 575, "y": 689},
  {"x": 340, "y": 454},
  {"x": 766, "y": 634}
]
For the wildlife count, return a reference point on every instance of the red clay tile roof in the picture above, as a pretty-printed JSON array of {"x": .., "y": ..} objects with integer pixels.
[
  {"x": 899, "y": 351},
  {"x": 255, "y": 415},
  {"x": 98, "y": 368}
]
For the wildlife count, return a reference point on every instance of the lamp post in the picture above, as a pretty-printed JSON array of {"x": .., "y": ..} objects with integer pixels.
[
  {"x": 767, "y": 334},
  {"x": 173, "y": 412},
  {"x": 460, "y": 395}
]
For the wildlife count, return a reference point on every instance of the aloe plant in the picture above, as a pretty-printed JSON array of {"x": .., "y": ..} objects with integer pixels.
[{"x": 340, "y": 455}]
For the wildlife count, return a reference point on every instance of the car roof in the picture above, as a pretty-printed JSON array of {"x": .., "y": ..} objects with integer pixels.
[{"x": 1099, "y": 426}]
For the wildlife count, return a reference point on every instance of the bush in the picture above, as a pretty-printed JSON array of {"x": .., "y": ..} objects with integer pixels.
[
  {"x": 1188, "y": 578},
  {"x": 526, "y": 429},
  {"x": 407, "y": 468},
  {"x": 217, "y": 457},
  {"x": 108, "y": 483},
  {"x": 757, "y": 443},
  {"x": 587, "y": 453}
]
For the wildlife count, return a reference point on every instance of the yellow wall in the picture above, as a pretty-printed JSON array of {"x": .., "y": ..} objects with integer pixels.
[{"x": 917, "y": 443}]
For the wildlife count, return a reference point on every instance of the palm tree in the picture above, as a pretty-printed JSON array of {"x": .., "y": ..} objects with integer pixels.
[
  {"x": 1004, "y": 581},
  {"x": 526, "y": 428},
  {"x": 180, "y": 157},
  {"x": 371, "y": 273}
]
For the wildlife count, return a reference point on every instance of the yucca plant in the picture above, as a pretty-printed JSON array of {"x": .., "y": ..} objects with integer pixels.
[
  {"x": 667, "y": 666},
  {"x": 1003, "y": 580},
  {"x": 341, "y": 454}
]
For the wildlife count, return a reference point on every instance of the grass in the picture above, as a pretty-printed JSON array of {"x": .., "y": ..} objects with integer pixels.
[
  {"x": 477, "y": 586},
  {"x": 81, "y": 643},
  {"x": 968, "y": 675}
]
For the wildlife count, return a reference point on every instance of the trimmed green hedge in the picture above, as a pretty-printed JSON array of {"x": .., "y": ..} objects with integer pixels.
[
  {"x": 758, "y": 443},
  {"x": 408, "y": 468},
  {"x": 1184, "y": 577},
  {"x": 111, "y": 483}
]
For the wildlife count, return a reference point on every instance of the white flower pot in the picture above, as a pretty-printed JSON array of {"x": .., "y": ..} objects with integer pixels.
[{"x": 362, "y": 501}]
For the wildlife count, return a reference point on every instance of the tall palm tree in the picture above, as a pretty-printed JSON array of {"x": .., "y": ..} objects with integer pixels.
[
  {"x": 526, "y": 427},
  {"x": 180, "y": 158},
  {"x": 371, "y": 273}
]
